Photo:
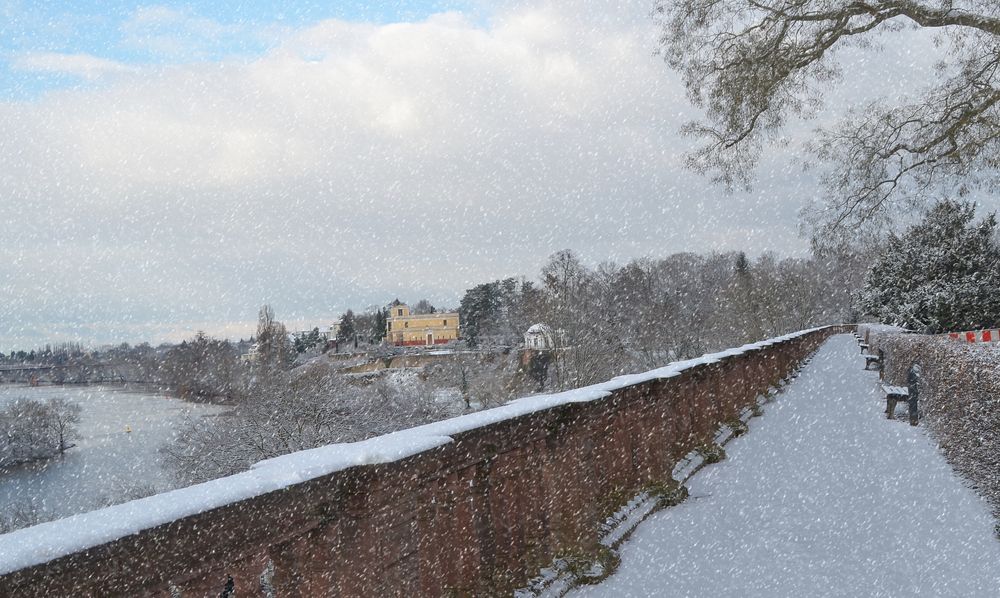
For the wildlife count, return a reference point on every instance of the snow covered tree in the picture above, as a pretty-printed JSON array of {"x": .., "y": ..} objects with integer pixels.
[
  {"x": 292, "y": 411},
  {"x": 754, "y": 66},
  {"x": 274, "y": 350},
  {"x": 499, "y": 311},
  {"x": 203, "y": 368},
  {"x": 480, "y": 311},
  {"x": 423, "y": 307},
  {"x": 31, "y": 430},
  {"x": 565, "y": 278},
  {"x": 370, "y": 325},
  {"x": 741, "y": 299},
  {"x": 378, "y": 328},
  {"x": 306, "y": 341},
  {"x": 61, "y": 420},
  {"x": 347, "y": 328},
  {"x": 942, "y": 274}
]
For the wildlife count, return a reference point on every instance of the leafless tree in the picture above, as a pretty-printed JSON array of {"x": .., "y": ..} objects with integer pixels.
[
  {"x": 31, "y": 430},
  {"x": 288, "y": 412},
  {"x": 423, "y": 307},
  {"x": 203, "y": 368},
  {"x": 274, "y": 350},
  {"x": 61, "y": 420},
  {"x": 19, "y": 515},
  {"x": 753, "y": 65}
]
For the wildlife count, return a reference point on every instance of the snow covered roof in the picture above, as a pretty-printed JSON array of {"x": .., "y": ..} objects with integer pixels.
[
  {"x": 42, "y": 543},
  {"x": 539, "y": 329}
]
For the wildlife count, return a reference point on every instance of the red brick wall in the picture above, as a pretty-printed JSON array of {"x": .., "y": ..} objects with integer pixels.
[{"x": 478, "y": 516}]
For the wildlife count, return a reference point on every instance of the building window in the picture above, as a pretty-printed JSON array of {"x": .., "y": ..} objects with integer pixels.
[
  {"x": 406, "y": 324},
  {"x": 446, "y": 322},
  {"x": 389, "y": 325},
  {"x": 399, "y": 312}
]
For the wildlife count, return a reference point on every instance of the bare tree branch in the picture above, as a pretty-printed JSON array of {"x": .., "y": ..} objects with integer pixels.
[{"x": 752, "y": 65}]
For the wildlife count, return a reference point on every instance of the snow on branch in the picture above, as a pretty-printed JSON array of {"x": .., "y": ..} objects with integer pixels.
[{"x": 752, "y": 66}]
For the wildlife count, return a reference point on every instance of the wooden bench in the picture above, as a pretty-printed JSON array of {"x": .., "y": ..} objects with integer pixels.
[
  {"x": 864, "y": 347},
  {"x": 870, "y": 359},
  {"x": 895, "y": 394}
]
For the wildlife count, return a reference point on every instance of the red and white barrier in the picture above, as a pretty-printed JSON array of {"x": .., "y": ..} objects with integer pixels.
[{"x": 976, "y": 336}]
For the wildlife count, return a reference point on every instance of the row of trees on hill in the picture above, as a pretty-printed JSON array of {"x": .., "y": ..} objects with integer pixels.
[
  {"x": 608, "y": 319},
  {"x": 49, "y": 354},
  {"x": 941, "y": 274},
  {"x": 615, "y": 318},
  {"x": 281, "y": 409}
]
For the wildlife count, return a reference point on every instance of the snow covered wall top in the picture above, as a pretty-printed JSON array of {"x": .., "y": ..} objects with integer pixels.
[{"x": 33, "y": 546}]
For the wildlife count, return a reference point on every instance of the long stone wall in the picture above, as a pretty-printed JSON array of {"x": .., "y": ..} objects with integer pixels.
[{"x": 477, "y": 509}]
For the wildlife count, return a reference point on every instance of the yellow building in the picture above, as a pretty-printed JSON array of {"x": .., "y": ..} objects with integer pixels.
[{"x": 406, "y": 329}]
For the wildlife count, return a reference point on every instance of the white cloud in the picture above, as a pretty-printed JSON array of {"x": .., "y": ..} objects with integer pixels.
[
  {"x": 84, "y": 66},
  {"x": 180, "y": 34},
  {"x": 353, "y": 163},
  {"x": 146, "y": 16}
]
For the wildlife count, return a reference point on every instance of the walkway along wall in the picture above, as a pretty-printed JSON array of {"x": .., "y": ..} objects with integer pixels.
[
  {"x": 959, "y": 398},
  {"x": 475, "y": 505}
]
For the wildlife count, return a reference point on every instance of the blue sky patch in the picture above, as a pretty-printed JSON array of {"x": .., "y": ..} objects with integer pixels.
[{"x": 33, "y": 35}]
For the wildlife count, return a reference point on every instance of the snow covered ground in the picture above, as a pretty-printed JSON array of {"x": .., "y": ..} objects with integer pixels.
[{"x": 825, "y": 497}]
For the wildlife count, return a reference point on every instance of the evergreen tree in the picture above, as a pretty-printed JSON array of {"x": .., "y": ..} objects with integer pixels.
[
  {"x": 347, "y": 327},
  {"x": 942, "y": 274},
  {"x": 500, "y": 310},
  {"x": 378, "y": 328},
  {"x": 475, "y": 309},
  {"x": 742, "y": 299}
]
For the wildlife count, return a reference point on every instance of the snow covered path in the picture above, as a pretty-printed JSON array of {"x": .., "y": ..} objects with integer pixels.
[{"x": 824, "y": 497}]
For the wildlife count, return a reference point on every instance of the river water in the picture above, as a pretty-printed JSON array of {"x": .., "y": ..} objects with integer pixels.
[{"x": 116, "y": 457}]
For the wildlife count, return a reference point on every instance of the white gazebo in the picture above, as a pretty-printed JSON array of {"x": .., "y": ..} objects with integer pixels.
[{"x": 540, "y": 337}]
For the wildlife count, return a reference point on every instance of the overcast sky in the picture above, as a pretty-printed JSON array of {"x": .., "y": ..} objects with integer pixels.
[{"x": 169, "y": 169}]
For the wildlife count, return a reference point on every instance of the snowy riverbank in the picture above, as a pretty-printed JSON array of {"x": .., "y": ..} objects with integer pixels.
[{"x": 115, "y": 458}]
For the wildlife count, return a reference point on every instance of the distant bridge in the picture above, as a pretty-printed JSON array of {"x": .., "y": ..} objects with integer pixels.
[{"x": 33, "y": 368}]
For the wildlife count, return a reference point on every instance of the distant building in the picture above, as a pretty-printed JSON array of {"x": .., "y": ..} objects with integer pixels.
[
  {"x": 251, "y": 356},
  {"x": 331, "y": 333},
  {"x": 540, "y": 337},
  {"x": 404, "y": 329},
  {"x": 326, "y": 333}
]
